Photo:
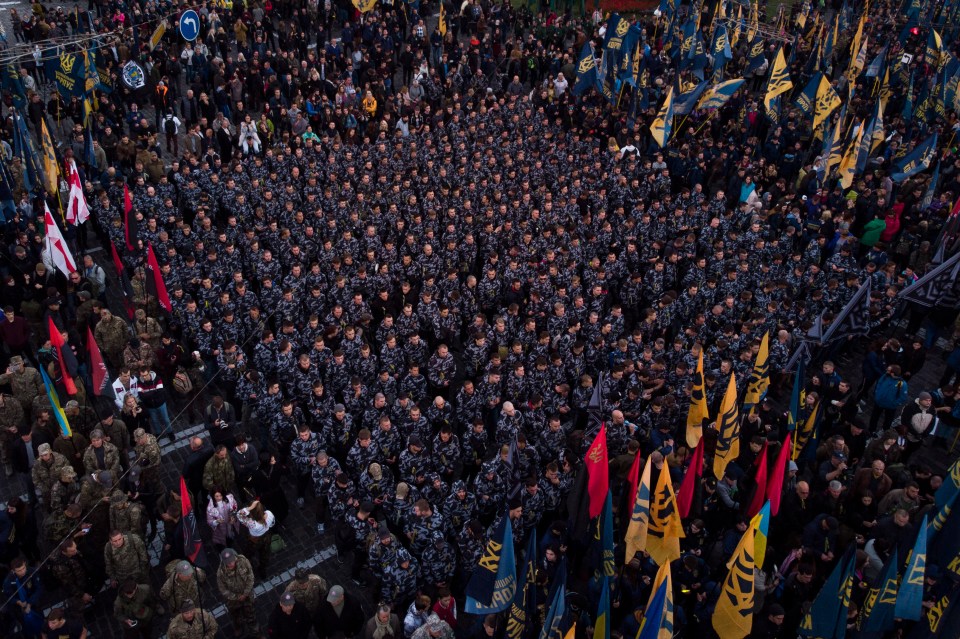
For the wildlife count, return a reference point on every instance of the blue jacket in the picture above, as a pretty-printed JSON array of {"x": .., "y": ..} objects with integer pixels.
[{"x": 891, "y": 392}]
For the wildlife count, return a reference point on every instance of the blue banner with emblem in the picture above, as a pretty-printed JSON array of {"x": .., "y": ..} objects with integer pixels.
[
  {"x": 69, "y": 71},
  {"x": 493, "y": 584}
]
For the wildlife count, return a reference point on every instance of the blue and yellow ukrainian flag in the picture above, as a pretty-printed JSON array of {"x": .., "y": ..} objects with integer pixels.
[{"x": 55, "y": 404}]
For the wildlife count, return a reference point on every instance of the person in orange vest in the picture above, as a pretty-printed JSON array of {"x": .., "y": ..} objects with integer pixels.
[{"x": 161, "y": 101}]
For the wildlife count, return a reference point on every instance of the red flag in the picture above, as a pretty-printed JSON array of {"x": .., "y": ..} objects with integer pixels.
[
  {"x": 759, "y": 491},
  {"x": 192, "y": 544},
  {"x": 691, "y": 481},
  {"x": 154, "y": 266},
  {"x": 97, "y": 368},
  {"x": 598, "y": 472},
  {"x": 125, "y": 286},
  {"x": 129, "y": 221},
  {"x": 56, "y": 339},
  {"x": 775, "y": 482},
  {"x": 635, "y": 477}
]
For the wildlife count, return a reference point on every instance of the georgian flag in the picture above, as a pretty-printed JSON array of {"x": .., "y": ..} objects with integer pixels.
[
  {"x": 56, "y": 246},
  {"x": 77, "y": 210}
]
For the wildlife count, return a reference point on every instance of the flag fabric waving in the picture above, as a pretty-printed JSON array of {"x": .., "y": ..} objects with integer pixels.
[
  {"x": 58, "y": 413},
  {"x": 586, "y": 71},
  {"x": 77, "y": 210},
  {"x": 65, "y": 357},
  {"x": 662, "y": 126},
  {"x": 936, "y": 285},
  {"x": 552, "y": 627},
  {"x": 827, "y": 616},
  {"x": 759, "y": 380},
  {"x": 604, "y": 564},
  {"x": 761, "y": 527},
  {"x": 658, "y": 615},
  {"x": 728, "y": 429},
  {"x": 916, "y": 161},
  {"x": 909, "y": 602},
  {"x": 161, "y": 289},
  {"x": 665, "y": 529},
  {"x": 698, "y": 412},
  {"x": 523, "y": 610},
  {"x": 760, "y": 483},
  {"x": 779, "y": 82},
  {"x": 55, "y": 246},
  {"x": 493, "y": 584},
  {"x": 775, "y": 481},
  {"x": 129, "y": 221},
  {"x": 50, "y": 165},
  {"x": 601, "y": 625},
  {"x": 717, "y": 95},
  {"x": 690, "y": 487},
  {"x": 877, "y": 614},
  {"x": 598, "y": 469},
  {"x": 853, "y": 319},
  {"x": 636, "y": 538},
  {"x": 733, "y": 615},
  {"x": 827, "y": 102},
  {"x": 97, "y": 368},
  {"x": 192, "y": 542}
]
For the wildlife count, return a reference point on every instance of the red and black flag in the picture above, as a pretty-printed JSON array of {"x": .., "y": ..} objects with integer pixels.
[
  {"x": 125, "y": 286},
  {"x": 129, "y": 221},
  {"x": 155, "y": 280},
  {"x": 101, "y": 381},
  {"x": 689, "y": 495},
  {"x": 66, "y": 359},
  {"x": 192, "y": 544}
]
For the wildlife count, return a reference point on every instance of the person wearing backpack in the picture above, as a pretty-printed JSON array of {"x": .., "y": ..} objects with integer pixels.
[
  {"x": 171, "y": 128},
  {"x": 889, "y": 396}
]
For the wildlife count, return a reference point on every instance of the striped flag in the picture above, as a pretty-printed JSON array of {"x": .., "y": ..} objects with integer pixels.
[{"x": 58, "y": 413}]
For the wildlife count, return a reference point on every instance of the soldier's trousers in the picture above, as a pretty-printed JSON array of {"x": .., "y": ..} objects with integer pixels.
[{"x": 243, "y": 616}]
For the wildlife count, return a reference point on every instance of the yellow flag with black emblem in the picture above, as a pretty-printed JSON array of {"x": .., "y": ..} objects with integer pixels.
[
  {"x": 760, "y": 376},
  {"x": 665, "y": 529},
  {"x": 827, "y": 102},
  {"x": 779, "y": 82},
  {"x": 51, "y": 168},
  {"x": 662, "y": 126},
  {"x": 728, "y": 430},
  {"x": 699, "y": 412},
  {"x": 848, "y": 165},
  {"x": 733, "y": 615},
  {"x": 637, "y": 530},
  {"x": 364, "y": 6},
  {"x": 442, "y": 24}
]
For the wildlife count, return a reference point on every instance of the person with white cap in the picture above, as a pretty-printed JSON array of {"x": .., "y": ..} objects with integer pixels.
[{"x": 435, "y": 628}]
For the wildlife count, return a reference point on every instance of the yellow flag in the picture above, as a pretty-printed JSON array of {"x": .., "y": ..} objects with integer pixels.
[
  {"x": 50, "y": 167},
  {"x": 827, "y": 102},
  {"x": 733, "y": 615},
  {"x": 760, "y": 378},
  {"x": 878, "y": 134},
  {"x": 636, "y": 537},
  {"x": 754, "y": 20},
  {"x": 836, "y": 149},
  {"x": 363, "y": 6},
  {"x": 759, "y": 538},
  {"x": 662, "y": 126},
  {"x": 885, "y": 90},
  {"x": 665, "y": 529},
  {"x": 805, "y": 433},
  {"x": 728, "y": 429},
  {"x": 442, "y": 25},
  {"x": 848, "y": 165},
  {"x": 735, "y": 34},
  {"x": 779, "y": 82},
  {"x": 698, "y": 407}
]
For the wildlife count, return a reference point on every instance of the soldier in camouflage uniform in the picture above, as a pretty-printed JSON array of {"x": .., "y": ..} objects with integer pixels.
[
  {"x": 83, "y": 420},
  {"x": 308, "y": 589},
  {"x": 101, "y": 455},
  {"x": 192, "y": 623},
  {"x": 401, "y": 579},
  {"x": 95, "y": 500},
  {"x": 127, "y": 516},
  {"x": 112, "y": 334},
  {"x": 437, "y": 563},
  {"x": 382, "y": 556},
  {"x": 25, "y": 382},
  {"x": 125, "y": 557},
  {"x": 182, "y": 583},
  {"x": 218, "y": 472},
  {"x": 135, "y": 603},
  {"x": 64, "y": 491},
  {"x": 115, "y": 432},
  {"x": 11, "y": 417},
  {"x": 46, "y": 471},
  {"x": 71, "y": 570},
  {"x": 147, "y": 453},
  {"x": 235, "y": 580}
]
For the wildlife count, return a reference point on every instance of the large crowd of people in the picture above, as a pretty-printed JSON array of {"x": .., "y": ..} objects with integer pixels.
[{"x": 398, "y": 255}]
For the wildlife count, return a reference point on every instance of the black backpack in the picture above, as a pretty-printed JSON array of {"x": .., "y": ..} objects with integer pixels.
[{"x": 170, "y": 126}]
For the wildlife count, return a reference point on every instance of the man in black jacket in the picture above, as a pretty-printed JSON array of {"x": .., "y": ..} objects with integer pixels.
[
  {"x": 339, "y": 616},
  {"x": 289, "y": 619}
]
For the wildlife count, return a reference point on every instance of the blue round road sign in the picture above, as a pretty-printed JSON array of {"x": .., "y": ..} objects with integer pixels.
[{"x": 189, "y": 25}]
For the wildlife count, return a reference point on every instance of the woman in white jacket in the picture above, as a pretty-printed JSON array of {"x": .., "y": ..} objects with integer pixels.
[
  {"x": 222, "y": 518},
  {"x": 249, "y": 138}
]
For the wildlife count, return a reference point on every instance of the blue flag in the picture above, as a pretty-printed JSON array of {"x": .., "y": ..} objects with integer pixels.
[
  {"x": 910, "y": 595},
  {"x": 552, "y": 627},
  {"x": 653, "y": 615},
  {"x": 494, "y": 581},
  {"x": 687, "y": 102},
  {"x": 721, "y": 47},
  {"x": 875, "y": 68},
  {"x": 827, "y": 616},
  {"x": 807, "y": 100},
  {"x": 33, "y": 174},
  {"x": 8, "y": 207},
  {"x": 603, "y": 561},
  {"x": 876, "y": 617},
  {"x": 601, "y": 627},
  {"x": 916, "y": 161},
  {"x": 950, "y": 486},
  {"x": 718, "y": 94},
  {"x": 523, "y": 610},
  {"x": 944, "y": 538},
  {"x": 13, "y": 83},
  {"x": 586, "y": 70}
]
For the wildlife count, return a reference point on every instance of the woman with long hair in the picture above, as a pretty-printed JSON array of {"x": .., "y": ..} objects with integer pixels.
[
  {"x": 134, "y": 416},
  {"x": 258, "y": 521},
  {"x": 222, "y": 518}
]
